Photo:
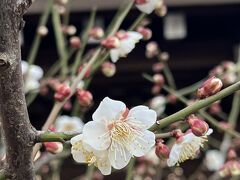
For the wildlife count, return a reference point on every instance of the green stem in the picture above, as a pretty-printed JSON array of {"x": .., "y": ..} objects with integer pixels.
[
  {"x": 55, "y": 136},
  {"x": 84, "y": 40},
  {"x": 37, "y": 39},
  {"x": 169, "y": 76},
  {"x": 60, "y": 42},
  {"x": 130, "y": 169},
  {"x": 195, "y": 107},
  {"x": 90, "y": 171},
  {"x": 137, "y": 21}
]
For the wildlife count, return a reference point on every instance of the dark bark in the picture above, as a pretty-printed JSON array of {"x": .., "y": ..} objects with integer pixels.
[{"x": 17, "y": 131}]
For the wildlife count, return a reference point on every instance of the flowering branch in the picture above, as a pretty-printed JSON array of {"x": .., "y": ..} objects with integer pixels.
[{"x": 195, "y": 107}]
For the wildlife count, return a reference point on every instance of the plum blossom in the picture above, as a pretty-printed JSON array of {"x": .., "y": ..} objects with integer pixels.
[
  {"x": 83, "y": 153},
  {"x": 147, "y": 6},
  {"x": 127, "y": 44},
  {"x": 122, "y": 132},
  {"x": 67, "y": 123},
  {"x": 32, "y": 74},
  {"x": 186, "y": 147},
  {"x": 214, "y": 160}
]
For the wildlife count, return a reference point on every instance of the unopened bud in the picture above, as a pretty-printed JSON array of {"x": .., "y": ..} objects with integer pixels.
[
  {"x": 158, "y": 79},
  {"x": 215, "y": 108},
  {"x": 84, "y": 97},
  {"x": 161, "y": 9},
  {"x": 88, "y": 72},
  {"x": 53, "y": 147},
  {"x": 146, "y": 32},
  {"x": 108, "y": 69},
  {"x": 141, "y": 1},
  {"x": 210, "y": 87},
  {"x": 198, "y": 126},
  {"x": 157, "y": 67},
  {"x": 96, "y": 33},
  {"x": 62, "y": 92},
  {"x": 42, "y": 31},
  {"x": 231, "y": 154},
  {"x": 75, "y": 42},
  {"x": 152, "y": 49},
  {"x": 162, "y": 150},
  {"x": 156, "y": 89},
  {"x": 111, "y": 42},
  {"x": 71, "y": 30},
  {"x": 164, "y": 56}
]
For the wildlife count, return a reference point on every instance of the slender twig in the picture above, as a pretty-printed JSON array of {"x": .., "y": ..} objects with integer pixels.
[
  {"x": 137, "y": 21},
  {"x": 130, "y": 169}
]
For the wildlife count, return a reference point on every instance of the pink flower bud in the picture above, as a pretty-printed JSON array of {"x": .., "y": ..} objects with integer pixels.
[
  {"x": 157, "y": 67},
  {"x": 108, "y": 69},
  {"x": 96, "y": 33},
  {"x": 162, "y": 150},
  {"x": 62, "y": 92},
  {"x": 231, "y": 154},
  {"x": 87, "y": 74},
  {"x": 210, "y": 87},
  {"x": 53, "y": 147},
  {"x": 215, "y": 108},
  {"x": 146, "y": 32},
  {"x": 111, "y": 42},
  {"x": 141, "y": 1},
  {"x": 84, "y": 97},
  {"x": 152, "y": 49},
  {"x": 198, "y": 126},
  {"x": 230, "y": 168},
  {"x": 158, "y": 79},
  {"x": 75, "y": 42},
  {"x": 172, "y": 99},
  {"x": 71, "y": 30},
  {"x": 42, "y": 30},
  {"x": 67, "y": 105},
  {"x": 177, "y": 133},
  {"x": 156, "y": 89}
]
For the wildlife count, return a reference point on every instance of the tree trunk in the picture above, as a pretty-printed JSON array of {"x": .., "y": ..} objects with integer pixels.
[{"x": 17, "y": 131}]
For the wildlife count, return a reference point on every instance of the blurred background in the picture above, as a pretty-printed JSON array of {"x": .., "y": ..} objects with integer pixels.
[{"x": 197, "y": 34}]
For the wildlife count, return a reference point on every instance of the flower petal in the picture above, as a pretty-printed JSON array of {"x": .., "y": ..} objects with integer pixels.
[
  {"x": 142, "y": 144},
  {"x": 115, "y": 54},
  {"x": 119, "y": 156},
  {"x": 174, "y": 155},
  {"x": 104, "y": 166},
  {"x": 147, "y": 7},
  {"x": 109, "y": 110},
  {"x": 95, "y": 134},
  {"x": 144, "y": 115},
  {"x": 76, "y": 139}
]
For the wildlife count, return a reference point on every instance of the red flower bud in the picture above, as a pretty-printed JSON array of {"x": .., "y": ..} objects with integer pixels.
[
  {"x": 87, "y": 74},
  {"x": 111, "y": 42},
  {"x": 96, "y": 33},
  {"x": 146, "y": 32},
  {"x": 152, "y": 49},
  {"x": 162, "y": 150},
  {"x": 53, "y": 147},
  {"x": 75, "y": 42},
  {"x": 157, "y": 67},
  {"x": 198, "y": 126},
  {"x": 62, "y": 92},
  {"x": 156, "y": 89},
  {"x": 84, "y": 97},
  {"x": 210, "y": 87},
  {"x": 108, "y": 69},
  {"x": 141, "y": 1}
]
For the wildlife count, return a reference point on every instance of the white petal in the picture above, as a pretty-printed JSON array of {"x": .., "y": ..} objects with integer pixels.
[
  {"x": 210, "y": 131},
  {"x": 94, "y": 134},
  {"x": 147, "y": 7},
  {"x": 144, "y": 115},
  {"x": 109, "y": 110},
  {"x": 25, "y": 66},
  {"x": 76, "y": 139},
  {"x": 135, "y": 35},
  {"x": 35, "y": 72},
  {"x": 119, "y": 159},
  {"x": 174, "y": 155},
  {"x": 114, "y": 54},
  {"x": 142, "y": 145},
  {"x": 31, "y": 84},
  {"x": 126, "y": 47},
  {"x": 104, "y": 166},
  {"x": 77, "y": 153}
]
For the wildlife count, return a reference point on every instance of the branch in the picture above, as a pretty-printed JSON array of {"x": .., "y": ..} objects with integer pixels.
[
  {"x": 195, "y": 107},
  {"x": 23, "y": 5},
  {"x": 55, "y": 136}
]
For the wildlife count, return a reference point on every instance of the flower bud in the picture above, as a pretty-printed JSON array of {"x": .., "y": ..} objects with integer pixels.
[
  {"x": 84, "y": 97},
  {"x": 156, "y": 89},
  {"x": 96, "y": 33},
  {"x": 210, "y": 87},
  {"x": 62, "y": 92},
  {"x": 111, "y": 42},
  {"x": 141, "y": 1},
  {"x": 152, "y": 49},
  {"x": 146, "y": 32},
  {"x": 172, "y": 99},
  {"x": 215, "y": 108},
  {"x": 198, "y": 126},
  {"x": 67, "y": 105},
  {"x": 42, "y": 31},
  {"x": 164, "y": 56},
  {"x": 108, "y": 69},
  {"x": 88, "y": 72},
  {"x": 75, "y": 42},
  {"x": 162, "y": 150},
  {"x": 231, "y": 154},
  {"x": 158, "y": 79},
  {"x": 71, "y": 30},
  {"x": 53, "y": 147},
  {"x": 157, "y": 67}
]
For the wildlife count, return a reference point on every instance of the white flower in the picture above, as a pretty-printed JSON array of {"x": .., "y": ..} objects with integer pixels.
[
  {"x": 186, "y": 147},
  {"x": 67, "y": 123},
  {"x": 214, "y": 160},
  {"x": 83, "y": 153},
  {"x": 148, "y": 7},
  {"x": 120, "y": 131},
  {"x": 32, "y": 74},
  {"x": 127, "y": 44},
  {"x": 158, "y": 103}
]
